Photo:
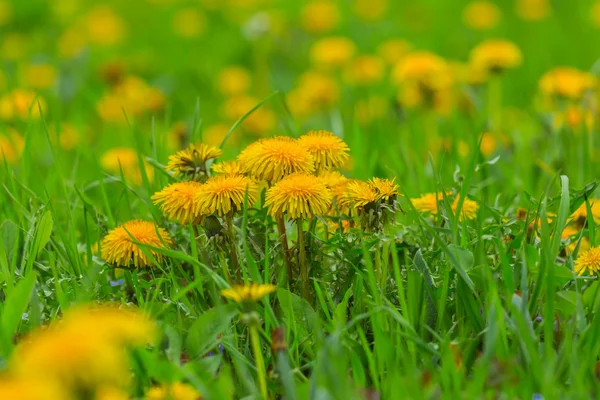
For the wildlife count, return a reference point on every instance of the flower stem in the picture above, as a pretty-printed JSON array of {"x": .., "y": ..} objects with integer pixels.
[
  {"x": 302, "y": 261},
  {"x": 234, "y": 258},
  {"x": 285, "y": 247},
  {"x": 260, "y": 363}
]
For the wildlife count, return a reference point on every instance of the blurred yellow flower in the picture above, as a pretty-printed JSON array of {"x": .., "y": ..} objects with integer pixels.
[
  {"x": 21, "y": 104},
  {"x": 567, "y": 82},
  {"x": 251, "y": 292},
  {"x": 6, "y": 12},
  {"x": 234, "y": 80},
  {"x": 66, "y": 136},
  {"x": 328, "y": 150},
  {"x": 259, "y": 122},
  {"x": 11, "y": 147},
  {"x": 213, "y": 135},
  {"x": 120, "y": 250},
  {"x": 315, "y": 92},
  {"x": 469, "y": 208},
  {"x": 126, "y": 160},
  {"x": 580, "y": 215},
  {"x": 481, "y": 15},
  {"x": 393, "y": 50},
  {"x": 588, "y": 261},
  {"x": 225, "y": 194},
  {"x": 299, "y": 196},
  {"x": 427, "y": 203},
  {"x": 320, "y": 16},
  {"x": 71, "y": 43},
  {"x": 30, "y": 388},
  {"x": 189, "y": 23},
  {"x": 178, "y": 201},
  {"x": 274, "y": 158},
  {"x": 174, "y": 391},
  {"x": 364, "y": 71},
  {"x": 39, "y": 76},
  {"x": 488, "y": 144},
  {"x": 332, "y": 52},
  {"x": 370, "y": 109},
  {"x": 533, "y": 10},
  {"x": 103, "y": 26},
  {"x": 370, "y": 10},
  {"x": 496, "y": 55},
  {"x": 423, "y": 68}
]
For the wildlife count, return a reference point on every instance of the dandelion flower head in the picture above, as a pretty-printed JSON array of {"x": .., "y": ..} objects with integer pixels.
[
  {"x": 192, "y": 160},
  {"x": 328, "y": 150},
  {"x": 299, "y": 196},
  {"x": 251, "y": 292},
  {"x": 588, "y": 261},
  {"x": 225, "y": 194},
  {"x": 178, "y": 201}
]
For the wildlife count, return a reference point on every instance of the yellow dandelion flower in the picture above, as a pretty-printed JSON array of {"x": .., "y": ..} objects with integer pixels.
[
  {"x": 332, "y": 179},
  {"x": 332, "y": 52},
  {"x": 40, "y": 76},
  {"x": 192, "y": 161},
  {"x": 365, "y": 70},
  {"x": 224, "y": 194},
  {"x": 174, "y": 391},
  {"x": 393, "y": 50},
  {"x": 299, "y": 196},
  {"x": 566, "y": 82},
  {"x": 273, "y": 159},
  {"x": 424, "y": 69},
  {"x": 588, "y": 261},
  {"x": 581, "y": 213},
  {"x": 178, "y": 201},
  {"x": 357, "y": 194},
  {"x": 469, "y": 208},
  {"x": 26, "y": 388},
  {"x": 103, "y": 26},
  {"x": 228, "y": 168},
  {"x": 533, "y": 10},
  {"x": 328, "y": 150},
  {"x": 427, "y": 203},
  {"x": 119, "y": 248},
  {"x": 11, "y": 147},
  {"x": 496, "y": 55},
  {"x": 125, "y": 159},
  {"x": 386, "y": 188},
  {"x": 320, "y": 16},
  {"x": 370, "y": 10},
  {"x": 481, "y": 15},
  {"x": 234, "y": 80},
  {"x": 248, "y": 293}
]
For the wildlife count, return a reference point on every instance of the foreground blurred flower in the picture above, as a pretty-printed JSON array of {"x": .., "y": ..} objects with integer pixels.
[
  {"x": 299, "y": 196},
  {"x": 225, "y": 194},
  {"x": 481, "y": 15},
  {"x": 328, "y": 150},
  {"x": 125, "y": 160},
  {"x": 566, "y": 82},
  {"x": 588, "y": 261},
  {"x": 174, "y": 391},
  {"x": 251, "y": 292},
  {"x": 320, "y": 16},
  {"x": 273, "y": 159},
  {"x": 469, "y": 208},
  {"x": 178, "y": 201},
  {"x": 332, "y": 52},
  {"x": 496, "y": 55},
  {"x": 191, "y": 162},
  {"x": 28, "y": 388},
  {"x": 119, "y": 248}
]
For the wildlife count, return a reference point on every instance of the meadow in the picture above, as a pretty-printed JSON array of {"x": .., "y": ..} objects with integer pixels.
[{"x": 315, "y": 199}]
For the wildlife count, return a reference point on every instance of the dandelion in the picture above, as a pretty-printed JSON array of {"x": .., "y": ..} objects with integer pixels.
[
  {"x": 566, "y": 82},
  {"x": 588, "y": 261},
  {"x": 173, "y": 391},
  {"x": 328, "y": 150},
  {"x": 228, "y": 168},
  {"x": 224, "y": 194},
  {"x": 393, "y": 50},
  {"x": 357, "y": 194},
  {"x": 234, "y": 80},
  {"x": 496, "y": 55},
  {"x": 370, "y": 10},
  {"x": 386, "y": 188},
  {"x": 28, "y": 388},
  {"x": 332, "y": 179},
  {"x": 178, "y": 201},
  {"x": 469, "y": 208},
  {"x": 299, "y": 196},
  {"x": 248, "y": 293},
  {"x": 533, "y": 10},
  {"x": 423, "y": 68},
  {"x": 120, "y": 246},
  {"x": 40, "y": 76},
  {"x": 103, "y": 26},
  {"x": 365, "y": 70},
  {"x": 332, "y": 52},
  {"x": 273, "y": 159},
  {"x": 581, "y": 214},
  {"x": 320, "y": 16},
  {"x": 192, "y": 161},
  {"x": 481, "y": 15},
  {"x": 427, "y": 203},
  {"x": 11, "y": 147},
  {"x": 315, "y": 92},
  {"x": 125, "y": 160}
]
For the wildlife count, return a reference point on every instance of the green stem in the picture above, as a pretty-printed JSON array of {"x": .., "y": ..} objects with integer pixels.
[
  {"x": 233, "y": 251},
  {"x": 260, "y": 363},
  {"x": 285, "y": 247},
  {"x": 302, "y": 261},
  {"x": 495, "y": 102}
]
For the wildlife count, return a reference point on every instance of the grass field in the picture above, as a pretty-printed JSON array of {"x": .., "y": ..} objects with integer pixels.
[{"x": 316, "y": 199}]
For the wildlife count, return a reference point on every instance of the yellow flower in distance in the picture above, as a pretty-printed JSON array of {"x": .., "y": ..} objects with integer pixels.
[
  {"x": 581, "y": 213},
  {"x": 103, "y": 26},
  {"x": 427, "y": 203},
  {"x": 328, "y": 150},
  {"x": 469, "y": 208},
  {"x": 251, "y": 292},
  {"x": 320, "y": 16},
  {"x": 11, "y": 147},
  {"x": 192, "y": 160},
  {"x": 174, "y": 391},
  {"x": 228, "y": 168},
  {"x": 119, "y": 248},
  {"x": 299, "y": 196},
  {"x": 370, "y": 10},
  {"x": 423, "y": 68},
  {"x": 481, "y": 15},
  {"x": 332, "y": 52},
  {"x": 588, "y": 261},
  {"x": 365, "y": 70},
  {"x": 178, "y": 201},
  {"x": 533, "y": 10},
  {"x": 225, "y": 194},
  {"x": 234, "y": 80},
  {"x": 273, "y": 159},
  {"x": 386, "y": 188},
  {"x": 393, "y": 50},
  {"x": 125, "y": 159},
  {"x": 357, "y": 194},
  {"x": 40, "y": 76},
  {"x": 566, "y": 82},
  {"x": 496, "y": 55}
]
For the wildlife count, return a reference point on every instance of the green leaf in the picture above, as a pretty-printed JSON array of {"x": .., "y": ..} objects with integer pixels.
[
  {"x": 203, "y": 334},
  {"x": 14, "y": 307}
]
